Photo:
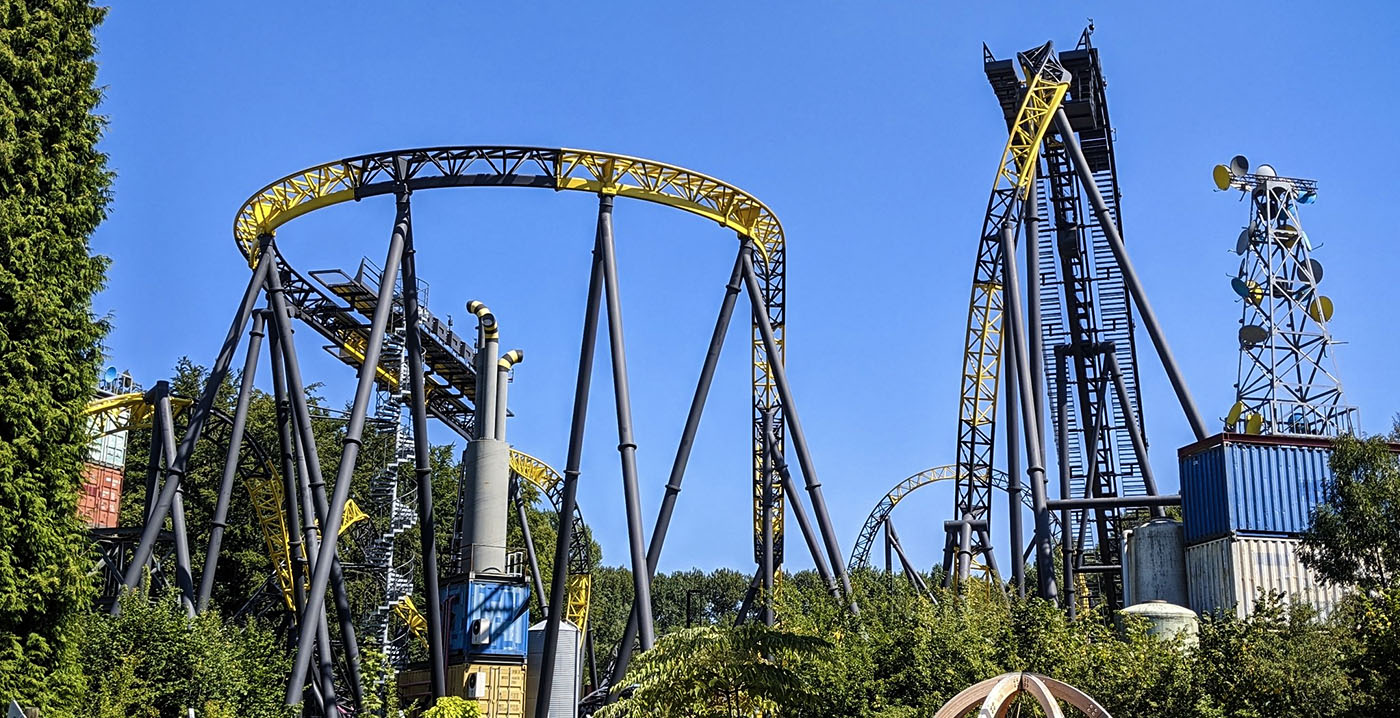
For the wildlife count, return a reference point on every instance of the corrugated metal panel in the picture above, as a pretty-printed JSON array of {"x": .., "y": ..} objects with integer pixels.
[
  {"x": 100, "y": 502},
  {"x": 1228, "y": 574},
  {"x": 568, "y": 671},
  {"x": 504, "y": 604},
  {"x": 1244, "y": 486},
  {"x": 504, "y": 687}
]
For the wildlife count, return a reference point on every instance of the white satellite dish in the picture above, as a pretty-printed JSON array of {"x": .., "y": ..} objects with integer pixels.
[
  {"x": 1266, "y": 171},
  {"x": 110, "y": 375},
  {"x": 1239, "y": 165}
]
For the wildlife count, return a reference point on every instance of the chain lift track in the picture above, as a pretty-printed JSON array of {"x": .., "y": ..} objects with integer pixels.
[
  {"x": 1085, "y": 303},
  {"x": 1047, "y": 83},
  {"x": 364, "y": 176}
]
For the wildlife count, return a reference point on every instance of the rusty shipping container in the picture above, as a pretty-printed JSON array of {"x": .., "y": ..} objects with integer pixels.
[
  {"x": 100, "y": 502},
  {"x": 1229, "y": 574}
]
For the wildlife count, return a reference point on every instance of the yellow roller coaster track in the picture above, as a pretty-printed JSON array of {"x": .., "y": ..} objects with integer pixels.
[
  {"x": 1045, "y": 89},
  {"x": 558, "y": 169}
]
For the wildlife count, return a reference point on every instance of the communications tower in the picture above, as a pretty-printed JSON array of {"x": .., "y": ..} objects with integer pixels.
[{"x": 1287, "y": 381}]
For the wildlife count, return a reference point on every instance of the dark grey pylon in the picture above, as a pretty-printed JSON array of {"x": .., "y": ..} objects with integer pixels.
[
  {"x": 1014, "y": 489},
  {"x": 626, "y": 442},
  {"x": 309, "y": 463},
  {"x": 683, "y": 449},
  {"x": 350, "y": 451},
  {"x": 535, "y": 578},
  {"x": 799, "y": 439},
  {"x": 569, "y": 495},
  {"x": 235, "y": 444},
  {"x": 767, "y": 565},
  {"x": 799, "y": 512},
  {"x": 1130, "y": 277},
  {"x": 1035, "y": 465},
  {"x": 184, "y": 578},
  {"x": 422, "y": 461},
  {"x": 200, "y": 414},
  {"x": 910, "y": 573},
  {"x": 291, "y": 503}
]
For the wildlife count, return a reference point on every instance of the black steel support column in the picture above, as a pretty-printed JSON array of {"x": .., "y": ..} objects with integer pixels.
[
  {"x": 200, "y": 413},
  {"x": 290, "y": 501},
  {"x": 626, "y": 443},
  {"x": 520, "y": 514},
  {"x": 1134, "y": 428},
  {"x": 799, "y": 512},
  {"x": 422, "y": 461},
  {"x": 310, "y": 466},
  {"x": 154, "y": 452},
  {"x": 569, "y": 500},
  {"x": 766, "y": 565},
  {"x": 235, "y": 444},
  {"x": 350, "y": 451},
  {"x": 889, "y": 553},
  {"x": 1130, "y": 277},
  {"x": 683, "y": 449},
  {"x": 184, "y": 578},
  {"x": 910, "y": 572},
  {"x": 1035, "y": 464},
  {"x": 1062, "y": 440},
  {"x": 1034, "y": 331},
  {"x": 1014, "y": 490},
  {"x": 799, "y": 438}
]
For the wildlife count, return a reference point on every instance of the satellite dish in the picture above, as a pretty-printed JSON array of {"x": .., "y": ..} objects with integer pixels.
[
  {"x": 1310, "y": 271},
  {"x": 1321, "y": 309},
  {"x": 1253, "y": 424},
  {"x": 1253, "y": 334},
  {"x": 1266, "y": 171},
  {"x": 110, "y": 375},
  {"x": 1248, "y": 290},
  {"x": 1242, "y": 244},
  {"x": 1307, "y": 197},
  {"x": 1287, "y": 235},
  {"x": 1233, "y": 418},
  {"x": 1221, "y": 175},
  {"x": 1239, "y": 165}
]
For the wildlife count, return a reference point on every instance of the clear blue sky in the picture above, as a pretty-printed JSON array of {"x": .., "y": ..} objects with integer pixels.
[{"x": 868, "y": 127}]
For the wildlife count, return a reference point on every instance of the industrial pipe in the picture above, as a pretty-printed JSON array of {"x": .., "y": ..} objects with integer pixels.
[
  {"x": 503, "y": 368},
  {"x": 488, "y": 339},
  {"x": 1116, "y": 502}
]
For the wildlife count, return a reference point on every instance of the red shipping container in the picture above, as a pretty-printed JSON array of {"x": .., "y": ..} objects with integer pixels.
[{"x": 100, "y": 502}]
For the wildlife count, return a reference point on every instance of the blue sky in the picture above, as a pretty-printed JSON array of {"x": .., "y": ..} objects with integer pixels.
[{"x": 870, "y": 130}]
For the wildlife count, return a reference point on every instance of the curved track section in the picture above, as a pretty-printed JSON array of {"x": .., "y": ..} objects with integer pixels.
[
  {"x": 549, "y": 481},
  {"x": 557, "y": 169},
  {"x": 860, "y": 553}
]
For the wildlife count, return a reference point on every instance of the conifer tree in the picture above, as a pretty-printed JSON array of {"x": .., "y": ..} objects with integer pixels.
[{"x": 53, "y": 194}]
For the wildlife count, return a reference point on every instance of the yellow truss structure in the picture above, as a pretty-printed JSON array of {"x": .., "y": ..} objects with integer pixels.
[
  {"x": 580, "y": 584},
  {"x": 1045, "y": 89}
]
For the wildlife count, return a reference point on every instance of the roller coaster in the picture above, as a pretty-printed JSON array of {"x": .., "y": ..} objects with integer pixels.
[{"x": 375, "y": 323}]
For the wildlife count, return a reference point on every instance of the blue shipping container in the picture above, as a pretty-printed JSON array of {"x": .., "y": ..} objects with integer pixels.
[
  {"x": 1262, "y": 485},
  {"x": 504, "y": 604}
]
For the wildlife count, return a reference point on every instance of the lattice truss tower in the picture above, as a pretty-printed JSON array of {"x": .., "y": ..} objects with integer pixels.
[{"x": 1287, "y": 380}]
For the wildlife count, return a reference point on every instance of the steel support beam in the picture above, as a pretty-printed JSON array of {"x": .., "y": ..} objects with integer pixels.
[
  {"x": 799, "y": 438},
  {"x": 1116, "y": 502},
  {"x": 1014, "y": 489},
  {"x": 1130, "y": 277},
  {"x": 176, "y": 464},
  {"x": 422, "y": 449},
  {"x": 235, "y": 444},
  {"x": 350, "y": 451},
  {"x": 626, "y": 442},
  {"x": 569, "y": 495},
  {"x": 184, "y": 578}
]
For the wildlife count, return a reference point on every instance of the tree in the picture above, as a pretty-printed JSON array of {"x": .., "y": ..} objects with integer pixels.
[
  {"x": 152, "y": 661},
  {"x": 1355, "y": 533},
  {"x": 53, "y": 194},
  {"x": 714, "y": 672}
]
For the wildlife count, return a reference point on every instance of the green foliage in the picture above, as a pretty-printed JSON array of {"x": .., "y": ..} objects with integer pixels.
[
  {"x": 718, "y": 672},
  {"x": 53, "y": 194},
  {"x": 1374, "y": 622},
  {"x": 453, "y": 707},
  {"x": 152, "y": 661},
  {"x": 1355, "y": 533}
]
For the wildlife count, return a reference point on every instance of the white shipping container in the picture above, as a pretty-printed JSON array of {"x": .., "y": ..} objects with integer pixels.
[{"x": 1229, "y": 573}]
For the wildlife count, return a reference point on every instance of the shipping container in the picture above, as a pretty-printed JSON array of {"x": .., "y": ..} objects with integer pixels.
[
  {"x": 108, "y": 449},
  {"x": 1260, "y": 485},
  {"x": 100, "y": 502},
  {"x": 1229, "y": 574},
  {"x": 486, "y": 619},
  {"x": 498, "y": 689}
]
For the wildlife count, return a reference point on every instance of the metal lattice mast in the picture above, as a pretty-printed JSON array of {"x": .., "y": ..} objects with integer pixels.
[{"x": 1287, "y": 379}]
